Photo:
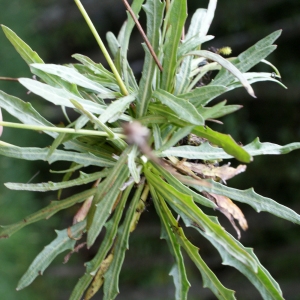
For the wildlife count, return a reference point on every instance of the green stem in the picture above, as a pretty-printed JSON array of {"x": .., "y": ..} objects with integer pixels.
[
  {"x": 102, "y": 47},
  {"x": 59, "y": 129}
]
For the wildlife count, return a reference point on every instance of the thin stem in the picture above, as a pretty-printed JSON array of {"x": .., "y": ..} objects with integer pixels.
[
  {"x": 59, "y": 129},
  {"x": 102, "y": 47},
  {"x": 9, "y": 78},
  {"x": 139, "y": 27}
]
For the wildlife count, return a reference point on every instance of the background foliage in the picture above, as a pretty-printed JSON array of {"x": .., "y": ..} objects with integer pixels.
[{"x": 56, "y": 30}]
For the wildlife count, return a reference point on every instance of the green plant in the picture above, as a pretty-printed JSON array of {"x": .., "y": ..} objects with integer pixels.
[{"x": 136, "y": 133}]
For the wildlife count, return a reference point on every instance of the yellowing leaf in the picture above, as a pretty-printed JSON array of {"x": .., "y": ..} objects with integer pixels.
[{"x": 231, "y": 211}]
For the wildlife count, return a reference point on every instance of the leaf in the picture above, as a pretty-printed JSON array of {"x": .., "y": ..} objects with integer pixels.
[
  {"x": 116, "y": 109},
  {"x": 32, "y": 153},
  {"x": 259, "y": 203},
  {"x": 178, "y": 272},
  {"x": 133, "y": 169},
  {"x": 107, "y": 193},
  {"x": 224, "y": 141},
  {"x": 203, "y": 95},
  {"x": 177, "y": 136},
  {"x": 227, "y": 65},
  {"x": 53, "y": 186},
  {"x": 249, "y": 58},
  {"x": 184, "y": 205},
  {"x": 45, "y": 213},
  {"x": 172, "y": 180},
  {"x": 62, "y": 243},
  {"x": 71, "y": 75},
  {"x": 183, "y": 75},
  {"x": 154, "y": 11},
  {"x": 176, "y": 19},
  {"x": 262, "y": 280},
  {"x": 224, "y": 172},
  {"x": 24, "y": 112},
  {"x": 209, "y": 278},
  {"x": 23, "y": 49},
  {"x": 231, "y": 211},
  {"x": 218, "y": 110},
  {"x": 111, "y": 277},
  {"x": 59, "y": 96},
  {"x": 110, "y": 235},
  {"x": 185, "y": 110},
  {"x": 207, "y": 152}
]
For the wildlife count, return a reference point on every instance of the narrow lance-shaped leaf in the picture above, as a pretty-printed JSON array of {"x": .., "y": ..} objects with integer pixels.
[
  {"x": 209, "y": 278},
  {"x": 154, "y": 11},
  {"x": 178, "y": 272},
  {"x": 110, "y": 235},
  {"x": 106, "y": 195},
  {"x": 224, "y": 141},
  {"x": 116, "y": 109},
  {"x": 185, "y": 110},
  {"x": 111, "y": 277},
  {"x": 31, "y": 153},
  {"x": 226, "y": 64},
  {"x": 65, "y": 240},
  {"x": 53, "y": 186},
  {"x": 207, "y": 152},
  {"x": 259, "y": 203},
  {"x": 262, "y": 280},
  {"x": 203, "y": 95},
  {"x": 249, "y": 58},
  {"x": 45, "y": 213},
  {"x": 24, "y": 112},
  {"x": 183, "y": 204},
  {"x": 176, "y": 20},
  {"x": 22, "y": 48},
  {"x": 71, "y": 75}
]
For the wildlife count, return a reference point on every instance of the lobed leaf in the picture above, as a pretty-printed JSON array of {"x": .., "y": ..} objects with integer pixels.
[
  {"x": 62, "y": 243},
  {"x": 259, "y": 203},
  {"x": 209, "y": 278},
  {"x": 184, "y": 206},
  {"x": 262, "y": 280},
  {"x": 207, "y": 152}
]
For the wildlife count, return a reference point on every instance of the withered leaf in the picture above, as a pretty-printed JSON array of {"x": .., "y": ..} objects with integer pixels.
[
  {"x": 231, "y": 211},
  {"x": 224, "y": 172}
]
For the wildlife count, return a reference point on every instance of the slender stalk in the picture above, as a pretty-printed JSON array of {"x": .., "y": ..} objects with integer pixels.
[
  {"x": 102, "y": 47},
  {"x": 9, "y": 78},
  {"x": 59, "y": 129},
  {"x": 139, "y": 27}
]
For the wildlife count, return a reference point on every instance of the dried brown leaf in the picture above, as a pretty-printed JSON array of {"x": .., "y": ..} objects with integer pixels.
[
  {"x": 224, "y": 172},
  {"x": 231, "y": 211}
]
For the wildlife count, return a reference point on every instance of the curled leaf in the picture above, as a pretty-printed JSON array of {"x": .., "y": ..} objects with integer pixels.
[
  {"x": 231, "y": 211},
  {"x": 1, "y": 127}
]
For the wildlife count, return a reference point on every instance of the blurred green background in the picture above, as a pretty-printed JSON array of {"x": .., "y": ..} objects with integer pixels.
[{"x": 56, "y": 30}]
